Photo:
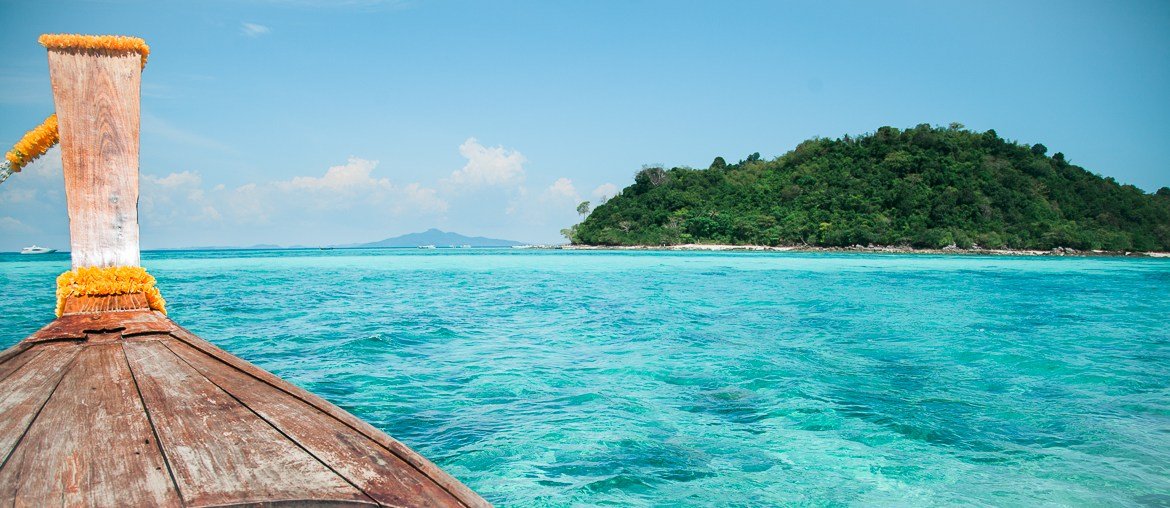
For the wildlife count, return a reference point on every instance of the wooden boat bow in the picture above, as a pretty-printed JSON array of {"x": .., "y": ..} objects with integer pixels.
[
  {"x": 128, "y": 408},
  {"x": 114, "y": 404}
]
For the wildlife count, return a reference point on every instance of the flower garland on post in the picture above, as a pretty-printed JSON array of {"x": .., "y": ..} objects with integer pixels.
[
  {"x": 106, "y": 43},
  {"x": 108, "y": 281},
  {"x": 93, "y": 280},
  {"x": 34, "y": 144}
]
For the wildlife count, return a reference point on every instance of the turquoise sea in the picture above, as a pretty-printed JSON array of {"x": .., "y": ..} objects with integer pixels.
[{"x": 550, "y": 378}]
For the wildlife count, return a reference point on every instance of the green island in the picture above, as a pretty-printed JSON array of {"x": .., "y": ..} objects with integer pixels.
[{"x": 924, "y": 187}]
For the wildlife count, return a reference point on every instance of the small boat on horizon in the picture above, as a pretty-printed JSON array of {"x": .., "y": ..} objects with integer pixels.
[
  {"x": 37, "y": 250},
  {"x": 426, "y": 246}
]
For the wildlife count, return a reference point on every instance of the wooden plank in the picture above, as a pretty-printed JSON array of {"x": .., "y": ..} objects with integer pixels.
[
  {"x": 219, "y": 451},
  {"x": 15, "y": 357},
  {"x": 24, "y": 392},
  {"x": 92, "y": 444},
  {"x": 96, "y": 94},
  {"x": 77, "y": 326},
  {"x": 449, "y": 483},
  {"x": 380, "y": 474},
  {"x": 62, "y": 328}
]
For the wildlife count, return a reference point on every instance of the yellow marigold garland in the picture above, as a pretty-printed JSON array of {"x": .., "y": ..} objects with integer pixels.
[
  {"x": 97, "y": 42},
  {"x": 107, "y": 281},
  {"x": 34, "y": 144}
]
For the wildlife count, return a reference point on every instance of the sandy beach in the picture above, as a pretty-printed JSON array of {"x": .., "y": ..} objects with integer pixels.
[{"x": 872, "y": 249}]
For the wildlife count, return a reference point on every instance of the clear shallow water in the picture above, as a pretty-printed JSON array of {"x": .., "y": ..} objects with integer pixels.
[{"x": 557, "y": 378}]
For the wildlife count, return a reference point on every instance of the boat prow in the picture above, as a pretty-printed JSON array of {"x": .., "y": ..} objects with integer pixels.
[
  {"x": 126, "y": 407},
  {"x": 113, "y": 404}
]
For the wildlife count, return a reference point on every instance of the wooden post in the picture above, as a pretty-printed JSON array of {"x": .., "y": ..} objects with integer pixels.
[{"x": 97, "y": 98}]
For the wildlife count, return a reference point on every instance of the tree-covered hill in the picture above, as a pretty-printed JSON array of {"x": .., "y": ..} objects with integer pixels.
[{"x": 926, "y": 187}]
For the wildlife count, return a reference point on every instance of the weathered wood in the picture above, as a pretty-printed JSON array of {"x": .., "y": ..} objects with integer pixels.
[
  {"x": 227, "y": 432},
  {"x": 97, "y": 100},
  {"x": 421, "y": 464},
  {"x": 219, "y": 451},
  {"x": 24, "y": 392},
  {"x": 77, "y": 326},
  {"x": 92, "y": 444},
  {"x": 14, "y": 357},
  {"x": 366, "y": 464},
  {"x": 103, "y": 304}
]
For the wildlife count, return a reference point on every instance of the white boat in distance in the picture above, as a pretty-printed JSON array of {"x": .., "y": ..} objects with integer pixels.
[
  {"x": 37, "y": 250},
  {"x": 426, "y": 246}
]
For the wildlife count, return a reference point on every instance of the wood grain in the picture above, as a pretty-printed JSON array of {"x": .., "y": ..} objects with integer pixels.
[
  {"x": 219, "y": 451},
  {"x": 97, "y": 101},
  {"x": 15, "y": 357},
  {"x": 92, "y": 444},
  {"x": 227, "y": 432},
  {"x": 104, "y": 304},
  {"x": 24, "y": 392},
  {"x": 420, "y": 463},
  {"x": 373, "y": 469},
  {"x": 77, "y": 326}
]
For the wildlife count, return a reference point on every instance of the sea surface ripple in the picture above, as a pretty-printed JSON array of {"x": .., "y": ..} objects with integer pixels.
[{"x": 545, "y": 378}]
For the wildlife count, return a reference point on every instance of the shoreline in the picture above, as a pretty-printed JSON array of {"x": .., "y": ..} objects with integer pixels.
[{"x": 869, "y": 249}]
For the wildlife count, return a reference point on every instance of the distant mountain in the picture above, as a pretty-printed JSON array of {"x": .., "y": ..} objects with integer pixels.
[{"x": 437, "y": 238}]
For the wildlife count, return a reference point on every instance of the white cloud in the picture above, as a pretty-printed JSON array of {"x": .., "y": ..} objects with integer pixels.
[
  {"x": 555, "y": 204},
  {"x": 175, "y": 179},
  {"x": 180, "y": 199},
  {"x": 248, "y": 204},
  {"x": 254, "y": 30},
  {"x": 560, "y": 190},
  {"x": 426, "y": 197},
  {"x": 604, "y": 191},
  {"x": 488, "y": 166},
  {"x": 353, "y": 176},
  {"x": 349, "y": 185},
  {"x": 177, "y": 198}
]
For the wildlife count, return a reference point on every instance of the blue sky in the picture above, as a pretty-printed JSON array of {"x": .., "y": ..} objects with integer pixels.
[{"x": 313, "y": 122}]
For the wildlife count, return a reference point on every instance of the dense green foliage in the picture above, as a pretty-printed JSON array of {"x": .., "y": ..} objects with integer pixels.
[{"x": 926, "y": 187}]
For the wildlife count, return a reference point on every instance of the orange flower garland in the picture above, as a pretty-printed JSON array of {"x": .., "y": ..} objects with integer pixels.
[
  {"x": 34, "y": 144},
  {"x": 107, "y": 281},
  {"x": 119, "y": 43}
]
